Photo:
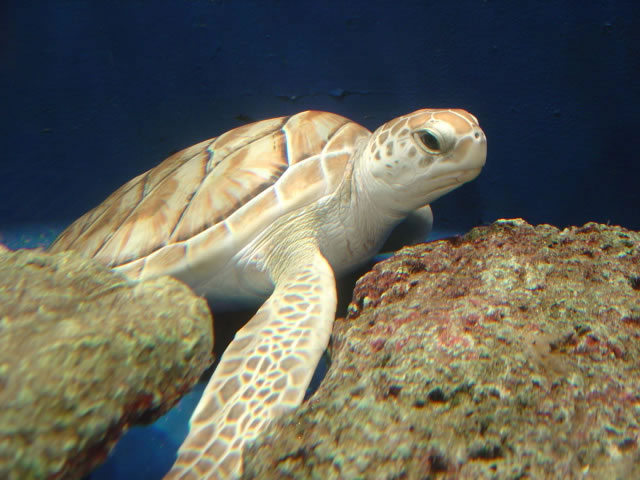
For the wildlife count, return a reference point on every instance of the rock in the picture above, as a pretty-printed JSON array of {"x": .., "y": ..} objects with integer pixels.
[
  {"x": 511, "y": 352},
  {"x": 84, "y": 354}
]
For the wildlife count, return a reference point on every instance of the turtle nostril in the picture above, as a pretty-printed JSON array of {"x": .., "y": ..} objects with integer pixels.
[{"x": 476, "y": 135}]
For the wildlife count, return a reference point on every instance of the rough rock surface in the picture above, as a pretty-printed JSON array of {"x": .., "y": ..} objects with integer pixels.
[
  {"x": 512, "y": 352},
  {"x": 84, "y": 354}
]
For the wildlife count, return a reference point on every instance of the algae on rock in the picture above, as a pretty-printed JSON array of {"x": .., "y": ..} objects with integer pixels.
[
  {"x": 84, "y": 354},
  {"x": 510, "y": 352}
]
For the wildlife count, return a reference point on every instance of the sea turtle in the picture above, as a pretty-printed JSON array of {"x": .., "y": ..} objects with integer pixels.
[{"x": 271, "y": 212}]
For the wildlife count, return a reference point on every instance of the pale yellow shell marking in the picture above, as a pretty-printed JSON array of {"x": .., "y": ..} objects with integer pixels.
[{"x": 210, "y": 199}]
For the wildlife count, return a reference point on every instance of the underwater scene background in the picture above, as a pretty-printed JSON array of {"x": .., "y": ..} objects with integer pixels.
[{"x": 98, "y": 92}]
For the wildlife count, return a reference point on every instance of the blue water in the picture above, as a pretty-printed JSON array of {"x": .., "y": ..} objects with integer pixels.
[{"x": 101, "y": 91}]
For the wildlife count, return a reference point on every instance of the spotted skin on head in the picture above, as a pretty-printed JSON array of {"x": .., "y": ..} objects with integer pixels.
[{"x": 392, "y": 138}]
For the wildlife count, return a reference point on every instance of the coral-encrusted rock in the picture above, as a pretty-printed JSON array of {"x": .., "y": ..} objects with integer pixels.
[
  {"x": 512, "y": 352},
  {"x": 84, "y": 354}
]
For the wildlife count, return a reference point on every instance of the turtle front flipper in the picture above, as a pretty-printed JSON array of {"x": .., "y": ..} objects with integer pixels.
[
  {"x": 264, "y": 371},
  {"x": 413, "y": 229}
]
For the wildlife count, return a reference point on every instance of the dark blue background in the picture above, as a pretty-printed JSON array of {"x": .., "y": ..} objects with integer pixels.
[{"x": 94, "y": 93}]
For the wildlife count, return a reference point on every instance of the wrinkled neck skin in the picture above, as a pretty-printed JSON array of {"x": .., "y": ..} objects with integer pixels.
[{"x": 363, "y": 218}]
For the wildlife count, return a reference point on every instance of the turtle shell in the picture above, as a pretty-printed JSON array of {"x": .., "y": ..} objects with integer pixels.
[{"x": 211, "y": 199}]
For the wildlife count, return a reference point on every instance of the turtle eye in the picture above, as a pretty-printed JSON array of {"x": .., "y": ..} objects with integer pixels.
[{"x": 430, "y": 140}]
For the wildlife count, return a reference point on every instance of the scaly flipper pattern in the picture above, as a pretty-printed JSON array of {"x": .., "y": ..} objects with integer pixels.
[{"x": 264, "y": 371}]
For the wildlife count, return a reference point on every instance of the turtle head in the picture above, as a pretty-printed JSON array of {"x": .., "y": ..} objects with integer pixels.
[{"x": 414, "y": 159}]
